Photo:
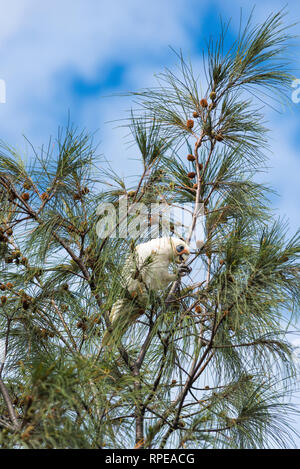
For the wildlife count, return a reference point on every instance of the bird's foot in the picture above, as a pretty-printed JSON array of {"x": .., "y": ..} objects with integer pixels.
[{"x": 184, "y": 270}]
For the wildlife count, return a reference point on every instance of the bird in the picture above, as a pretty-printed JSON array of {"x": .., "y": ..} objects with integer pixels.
[{"x": 146, "y": 269}]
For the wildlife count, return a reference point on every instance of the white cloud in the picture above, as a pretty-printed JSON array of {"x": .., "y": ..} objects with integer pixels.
[{"x": 43, "y": 42}]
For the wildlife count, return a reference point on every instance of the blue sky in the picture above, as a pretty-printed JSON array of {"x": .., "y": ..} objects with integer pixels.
[{"x": 66, "y": 56}]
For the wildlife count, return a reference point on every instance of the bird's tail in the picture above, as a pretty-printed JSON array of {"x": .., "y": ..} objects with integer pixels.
[{"x": 123, "y": 314}]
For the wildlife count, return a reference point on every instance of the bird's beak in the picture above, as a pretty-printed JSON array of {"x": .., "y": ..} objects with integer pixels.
[{"x": 182, "y": 256}]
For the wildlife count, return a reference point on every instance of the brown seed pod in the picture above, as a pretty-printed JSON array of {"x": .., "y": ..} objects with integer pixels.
[
  {"x": 9, "y": 285},
  {"x": 25, "y": 304},
  {"x": 71, "y": 229},
  {"x": 211, "y": 106},
  {"x": 203, "y": 102},
  {"x": 81, "y": 325},
  {"x": 213, "y": 95},
  {"x": 198, "y": 309},
  {"x": 9, "y": 260},
  {"x": 219, "y": 137},
  {"x": 221, "y": 261},
  {"x": 173, "y": 382},
  {"x": 9, "y": 232},
  {"x": 27, "y": 185},
  {"x": 191, "y": 175},
  {"x": 25, "y": 196},
  {"x": 77, "y": 196},
  {"x": 284, "y": 259},
  {"x": 206, "y": 387},
  {"x": 196, "y": 114},
  {"x": 208, "y": 252},
  {"x": 3, "y": 300},
  {"x": 24, "y": 261},
  {"x": 195, "y": 186},
  {"x": 2, "y": 287},
  {"x": 85, "y": 191},
  {"x": 190, "y": 123},
  {"x": 200, "y": 166},
  {"x": 131, "y": 193},
  {"x": 45, "y": 196},
  {"x": 191, "y": 157}
]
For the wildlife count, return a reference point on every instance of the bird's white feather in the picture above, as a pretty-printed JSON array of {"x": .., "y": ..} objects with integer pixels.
[{"x": 147, "y": 269}]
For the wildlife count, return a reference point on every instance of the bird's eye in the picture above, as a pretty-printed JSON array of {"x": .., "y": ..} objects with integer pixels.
[{"x": 180, "y": 248}]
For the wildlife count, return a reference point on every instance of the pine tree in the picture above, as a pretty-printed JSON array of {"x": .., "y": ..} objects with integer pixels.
[{"x": 208, "y": 364}]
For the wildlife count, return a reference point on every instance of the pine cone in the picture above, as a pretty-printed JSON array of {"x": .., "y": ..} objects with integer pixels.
[
  {"x": 191, "y": 157},
  {"x": 25, "y": 304},
  {"x": 25, "y": 196},
  {"x": 27, "y": 185},
  {"x": 3, "y": 300}
]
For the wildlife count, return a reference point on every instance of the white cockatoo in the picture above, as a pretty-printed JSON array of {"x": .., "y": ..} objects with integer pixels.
[{"x": 147, "y": 269}]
